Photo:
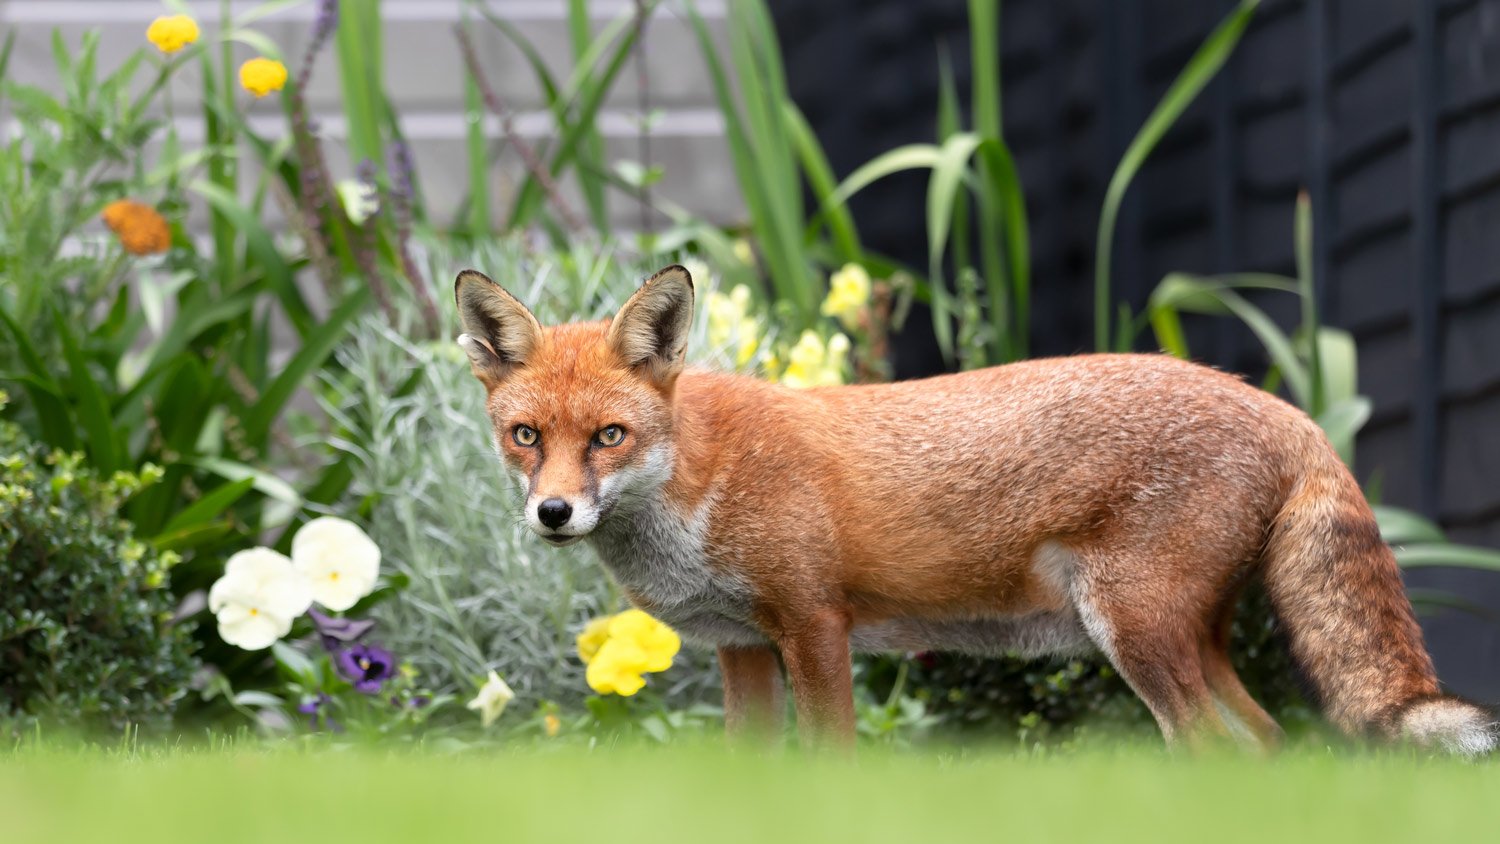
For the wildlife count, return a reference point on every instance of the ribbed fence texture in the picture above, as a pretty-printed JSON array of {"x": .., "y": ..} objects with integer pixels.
[{"x": 1386, "y": 111}]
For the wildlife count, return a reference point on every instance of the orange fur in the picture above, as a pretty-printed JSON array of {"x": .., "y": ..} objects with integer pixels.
[{"x": 1109, "y": 502}]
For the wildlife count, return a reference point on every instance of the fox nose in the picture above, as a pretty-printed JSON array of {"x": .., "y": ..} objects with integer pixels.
[{"x": 554, "y": 512}]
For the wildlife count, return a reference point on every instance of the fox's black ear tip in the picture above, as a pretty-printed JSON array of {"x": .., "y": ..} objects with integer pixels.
[
  {"x": 674, "y": 270},
  {"x": 471, "y": 274}
]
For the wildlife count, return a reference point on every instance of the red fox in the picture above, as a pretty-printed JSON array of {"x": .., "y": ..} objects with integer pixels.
[{"x": 1110, "y": 504}]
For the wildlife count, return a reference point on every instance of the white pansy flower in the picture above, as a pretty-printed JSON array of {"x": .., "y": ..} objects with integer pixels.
[
  {"x": 257, "y": 598},
  {"x": 491, "y": 700},
  {"x": 339, "y": 560}
]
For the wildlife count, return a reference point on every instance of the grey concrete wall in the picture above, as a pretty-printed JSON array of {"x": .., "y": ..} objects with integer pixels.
[{"x": 424, "y": 76}]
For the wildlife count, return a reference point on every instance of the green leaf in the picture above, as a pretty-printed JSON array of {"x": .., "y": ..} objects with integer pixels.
[
  {"x": 909, "y": 157},
  {"x": 316, "y": 348},
  {"x": 45, "y": 394},
  {"x": 1201, "y": 68},
  {"x": 262, "y": 247},
  {"x": 1457, "y": 556},
  {"x": 1398, "y": 526},
  {"x": 1342, "y": 421},
  {"x": 210, "y": 505},
  {"x": 104, "y": 444},
  {"x": 823, "y": 183},
  {"x": 295, "y": 664},
  {"x": 265, "y": 482}
]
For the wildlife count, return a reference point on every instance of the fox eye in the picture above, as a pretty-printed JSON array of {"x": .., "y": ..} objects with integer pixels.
[
  {"x": 611, "y": 435},
  {"x": 524, "y": 435}
]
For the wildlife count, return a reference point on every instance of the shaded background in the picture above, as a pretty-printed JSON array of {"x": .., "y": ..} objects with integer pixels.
[{"x": 1386, "y": 111}]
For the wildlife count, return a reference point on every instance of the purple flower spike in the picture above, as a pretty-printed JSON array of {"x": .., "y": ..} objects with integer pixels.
[
  {"x": 337, "y": 632},
  {"x": 326, "y": 20},
  {"x": 367, "y": 666}
]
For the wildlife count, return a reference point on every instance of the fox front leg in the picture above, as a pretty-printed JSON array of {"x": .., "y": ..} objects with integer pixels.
[
  {"x": 816, "y": 653},
  {"x": 754, "y": 692}
]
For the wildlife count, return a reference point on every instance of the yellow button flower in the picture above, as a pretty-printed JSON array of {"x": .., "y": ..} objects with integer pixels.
[
  {"x": 172, "y": 33},
  {"x": 848, "y": 295},
  {"x": 593, "y": 637},
  {"x": 140, "y": 229},
  {"x": 260, "y": 76}
]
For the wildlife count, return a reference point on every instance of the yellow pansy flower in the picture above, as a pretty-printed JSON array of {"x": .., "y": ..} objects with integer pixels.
[
  {"x": 260, "y": 76},
  {"x": 848, "y": 295},
  {"x": 617, "y": 668},
  {"x": 593, "y": 637},
  {"x": 620, "y": 649},
  {"x": 172, "y": 33},
  {"x": 658, "y": 641}
]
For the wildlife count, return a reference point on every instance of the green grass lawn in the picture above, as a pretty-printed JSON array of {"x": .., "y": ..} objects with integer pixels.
[{"x": 708, "y": 795}]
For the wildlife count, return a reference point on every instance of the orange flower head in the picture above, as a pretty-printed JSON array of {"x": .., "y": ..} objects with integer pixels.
[{"x": 140, "y": 229}]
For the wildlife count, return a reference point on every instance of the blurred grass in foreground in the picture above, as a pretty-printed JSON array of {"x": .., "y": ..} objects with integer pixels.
[{"x": 706, "y": 794}]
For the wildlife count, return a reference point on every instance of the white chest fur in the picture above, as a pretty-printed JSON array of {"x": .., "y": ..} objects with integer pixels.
[{"x": 659, "y": 557}]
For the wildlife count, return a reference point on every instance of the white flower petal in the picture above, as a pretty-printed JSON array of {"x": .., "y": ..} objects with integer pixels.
[
  {"x": 252, "y": 632},
  {"x": 339, "y": 559}
]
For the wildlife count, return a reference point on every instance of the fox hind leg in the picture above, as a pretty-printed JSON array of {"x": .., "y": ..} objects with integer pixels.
[
  {"x": 1156, "y": 648},
  {"x": 1230, "y": 693}
]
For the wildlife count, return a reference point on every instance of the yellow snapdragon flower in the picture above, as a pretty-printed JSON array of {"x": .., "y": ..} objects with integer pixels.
[
  {"x": 260, "y": 76},
  {"x": 172, "y": 33},
  {"x": 744, "y": 251},
  {"x": 731, "y": 324},
  {"x": 848, "y": 295},
  {"x": 811, "y": 363}
]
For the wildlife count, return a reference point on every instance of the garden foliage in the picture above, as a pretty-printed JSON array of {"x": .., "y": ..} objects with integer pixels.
[{"x": 87, "y": 634}]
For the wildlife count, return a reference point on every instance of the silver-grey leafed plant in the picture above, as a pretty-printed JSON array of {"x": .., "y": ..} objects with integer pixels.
[{"x": 482, "y": 592}]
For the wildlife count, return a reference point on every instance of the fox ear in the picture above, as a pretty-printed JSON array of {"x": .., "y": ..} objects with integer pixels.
[
  {"x": 500, "y": 332},
  {"x": 651, "y": 330}
]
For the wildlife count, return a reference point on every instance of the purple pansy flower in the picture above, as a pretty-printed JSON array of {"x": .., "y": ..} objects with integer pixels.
[
  {"x": 367, "y": 666},
  {"x": 338, "y": 632}
]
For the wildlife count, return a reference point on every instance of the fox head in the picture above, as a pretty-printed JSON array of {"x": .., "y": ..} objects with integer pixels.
[{"x": 582, "y": 412}]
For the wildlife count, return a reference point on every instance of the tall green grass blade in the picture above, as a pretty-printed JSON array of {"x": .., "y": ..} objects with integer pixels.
[
  {"x": 1462, "y": 556},
  {"x": 478, "y": 154},
  {"x": 105, "y": 446},
  {"x": 1203, "y": 66},
  {"x": 821, "y": 180},
  {"x": 593, "y": 86},
  {"x": 1184, "y": 292},
  {"x": 1005, "y": 187},
  {"x": 1399, "y": 527},
  {"x": 909, "y": 157},
  {"x": 357, "y": 42},
  {"x": 1341, "y": 421},
  {"x": 591, "y": 158},
  {"x": 316, "y": 348},
  {"x": 209, "y": 507},
  {"x": 1303, "y": 236},
  {"x": 260, "y": 246},
  {"x": 45, "y": 393},
  {"x": 984, "y": 57}
]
